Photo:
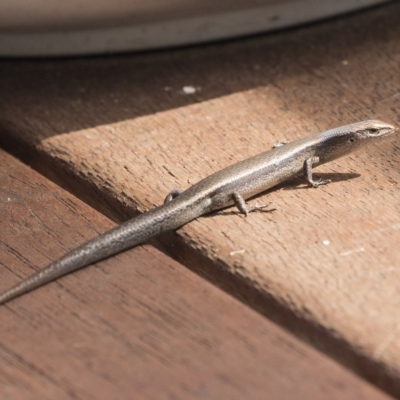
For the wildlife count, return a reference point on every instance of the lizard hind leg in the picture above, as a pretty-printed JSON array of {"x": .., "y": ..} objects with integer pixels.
[
  {"x": 172, "y": 195},
  {"x": 240, "y": 203}
]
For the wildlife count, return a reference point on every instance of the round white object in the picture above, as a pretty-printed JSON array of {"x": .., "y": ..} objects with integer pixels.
[{"x": 54, "y": 27}]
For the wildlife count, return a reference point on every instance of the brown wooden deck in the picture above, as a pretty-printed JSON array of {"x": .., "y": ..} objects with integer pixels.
[{"x": 119, "y": 133}]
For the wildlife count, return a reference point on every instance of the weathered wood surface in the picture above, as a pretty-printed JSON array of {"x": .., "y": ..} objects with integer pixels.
[
  {"x": 121, "y": 134},
  {"x": 135, "y": 326}
]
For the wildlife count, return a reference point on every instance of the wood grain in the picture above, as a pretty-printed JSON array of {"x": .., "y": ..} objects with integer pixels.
[
  {"x": 346, "y": 290},
  {"x": 138, "y": 325},
  {"x": 121, "y": 134}
]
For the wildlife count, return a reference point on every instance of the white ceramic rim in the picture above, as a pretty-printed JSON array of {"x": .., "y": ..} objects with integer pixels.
[{"x": 174, "y": 32}]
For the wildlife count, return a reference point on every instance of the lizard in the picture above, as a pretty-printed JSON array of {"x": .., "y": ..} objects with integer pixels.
[{"x": 230, "y": 186}]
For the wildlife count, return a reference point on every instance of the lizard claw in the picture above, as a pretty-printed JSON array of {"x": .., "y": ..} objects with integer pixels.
[
  {"x": 320, "y": 182},
  {"x": 256, "y": 207}
]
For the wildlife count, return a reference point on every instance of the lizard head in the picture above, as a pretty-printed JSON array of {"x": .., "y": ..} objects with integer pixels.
[
  {"x": 347, "y": 139},
  {"x": 371, "y": 129}
]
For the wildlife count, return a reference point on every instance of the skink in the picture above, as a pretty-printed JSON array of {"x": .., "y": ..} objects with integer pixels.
[{"x": 230, "y": 186}]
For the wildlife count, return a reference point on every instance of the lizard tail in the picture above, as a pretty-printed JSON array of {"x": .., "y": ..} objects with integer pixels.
[{"x": 131, "y": 233}]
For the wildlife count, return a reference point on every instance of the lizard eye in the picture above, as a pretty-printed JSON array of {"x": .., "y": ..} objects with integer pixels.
[
  {"x": 352, "y": 140},
  {"x": 373, "y": 130}
]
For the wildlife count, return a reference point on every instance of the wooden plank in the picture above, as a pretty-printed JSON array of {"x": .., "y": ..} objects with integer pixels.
[
  {"x": 91, "y": 124},
  {"x": 138, "y": 323}
]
